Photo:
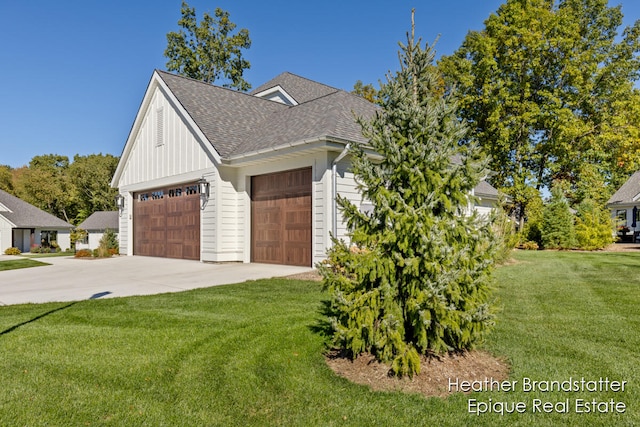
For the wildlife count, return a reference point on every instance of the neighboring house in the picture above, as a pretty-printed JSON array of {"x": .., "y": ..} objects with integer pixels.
[
  {"x": 212, "y": 174},
  {"x": 625, "y": 206},
  {"x": 22, "y": 225},
  {"x": 95, "y": 226}
]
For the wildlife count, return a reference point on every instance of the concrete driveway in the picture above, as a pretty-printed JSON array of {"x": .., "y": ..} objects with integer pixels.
[{"x": 71, "y": 279}]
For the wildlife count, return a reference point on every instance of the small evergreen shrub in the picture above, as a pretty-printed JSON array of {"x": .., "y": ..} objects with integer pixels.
[
  {"x": 557, "y": 222},
  {"x": 12, "y": 251}
]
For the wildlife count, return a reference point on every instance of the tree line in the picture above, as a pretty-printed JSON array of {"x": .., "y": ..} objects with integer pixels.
[
  {"x": 548, "y": 90},
  {"x": 69, "y": 190}
]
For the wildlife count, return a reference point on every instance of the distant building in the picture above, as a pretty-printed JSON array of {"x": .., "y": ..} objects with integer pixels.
[
  {"x": 95, "y": 226},
  {"x": 23, "y": 226}
]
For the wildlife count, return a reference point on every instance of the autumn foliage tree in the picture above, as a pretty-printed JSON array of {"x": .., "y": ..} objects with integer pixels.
[{"x": 415, "y": 277}]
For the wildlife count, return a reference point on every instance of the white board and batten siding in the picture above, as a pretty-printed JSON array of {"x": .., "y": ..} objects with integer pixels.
[
  {"x": 222, "y": 223},
  {"x": 164, "y": 147},
  {"x": 346, "y": 186},
  {"x": 164, "y": 151}
]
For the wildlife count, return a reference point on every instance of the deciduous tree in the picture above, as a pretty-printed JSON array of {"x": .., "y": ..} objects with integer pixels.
[
  {"x": 46, "y": 185},
  {"x": 549, "y": 88},
  {"x": 90, "y": 176},
  {"x": 209, "y": 51}
]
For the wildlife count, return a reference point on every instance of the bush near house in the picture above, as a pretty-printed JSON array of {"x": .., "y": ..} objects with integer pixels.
[
  {"x": 83, "y": 253},
  {"x": 108, "y": 244},
  {"x": 12, "y": 251}
]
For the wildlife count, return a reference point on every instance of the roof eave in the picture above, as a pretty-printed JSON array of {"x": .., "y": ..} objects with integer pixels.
[{"x": 322, "y": 141}]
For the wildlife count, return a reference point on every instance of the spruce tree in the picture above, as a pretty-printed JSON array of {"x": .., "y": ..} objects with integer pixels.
[
  {"x": 415, "y": 277},
  {"x": 557, "y": 222}
]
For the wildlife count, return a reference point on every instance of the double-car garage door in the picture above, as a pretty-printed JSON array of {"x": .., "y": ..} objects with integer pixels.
[{"x": 166, "y": 221}]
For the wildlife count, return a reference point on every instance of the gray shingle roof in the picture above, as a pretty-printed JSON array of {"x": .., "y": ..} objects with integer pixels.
[
  {"x": 25, "y": 215},
  {"x": 627, "y": 192},
  {"x": 332, "y": 115},
  {"x": 300, "y": 88},
  {"x": 484, "y": 189},
  {"x": 101, "y": 220},
  {"x": 237, "y": 123},
  {"x": 224, "y": 116}
]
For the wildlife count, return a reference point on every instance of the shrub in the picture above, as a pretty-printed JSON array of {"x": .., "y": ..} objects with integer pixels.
[
  {"x": 109, "y": 240},
  {"x": 102, "y": 252},
  {"x": 557, "y": 222},
  {"x": 530, "y": 246},
  {"x": 12, "y": 251},
  {"x": 593, "y": 226},
  {"x": 505, "y": 231},
  {"x": 37, "y": 249},
  {"x": 83, "y": 253},
  {"x": 532, "y": 230}
]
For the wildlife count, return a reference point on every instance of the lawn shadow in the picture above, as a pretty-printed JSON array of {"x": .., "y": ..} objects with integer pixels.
[
  {"x": 100, "y": 295},
  {"x": 14, "y": 327},
  {"x": 322, "y": 325}
]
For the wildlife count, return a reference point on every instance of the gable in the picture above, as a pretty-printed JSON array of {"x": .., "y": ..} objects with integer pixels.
[
  {"x": 164, "y": 141},
  {"x": 629, "y": 192}
]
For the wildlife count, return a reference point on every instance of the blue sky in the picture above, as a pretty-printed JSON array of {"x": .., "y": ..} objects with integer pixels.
[{"x": 73, "y": 72}]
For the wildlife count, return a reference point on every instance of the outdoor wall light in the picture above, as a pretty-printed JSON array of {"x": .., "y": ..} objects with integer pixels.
[
  {"x": 203, "y": 186},
  {"x": 120, "y": 203}
]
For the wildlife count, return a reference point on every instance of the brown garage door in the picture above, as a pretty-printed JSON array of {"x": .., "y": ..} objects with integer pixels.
[
  {"x": 281, "y": 218},
  {"x": 166, "y": 222}
]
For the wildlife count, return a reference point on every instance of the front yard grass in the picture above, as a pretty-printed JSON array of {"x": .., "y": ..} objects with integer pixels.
[
  {"x": 14, "y": 264},
  {"x": 251, "y": 355}
]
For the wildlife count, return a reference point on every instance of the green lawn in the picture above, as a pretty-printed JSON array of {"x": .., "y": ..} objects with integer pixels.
[
  {"x": 14, "y": 264},
  {"x": 250, "y": 354}
]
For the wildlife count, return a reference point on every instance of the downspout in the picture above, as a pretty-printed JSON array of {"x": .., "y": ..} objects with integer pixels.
[{"x": 334, "y": 175}]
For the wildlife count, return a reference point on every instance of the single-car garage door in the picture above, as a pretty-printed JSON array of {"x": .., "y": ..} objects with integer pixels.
[
  {"x": 166, "y": 222},
  {"x": 281, "y": 218}
]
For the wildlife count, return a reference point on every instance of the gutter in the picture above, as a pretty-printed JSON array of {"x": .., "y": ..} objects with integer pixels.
[
  {"x": 239, "y": 158},
  {"x": 334, "y": 180}
]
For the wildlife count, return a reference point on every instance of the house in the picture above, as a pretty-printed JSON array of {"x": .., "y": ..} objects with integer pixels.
[
  {"x": 95, "y": 226},
  {"x": 22, "y": 225},
  {"x": 212, "y": 174},
  {"x": 624, "y": 206}
]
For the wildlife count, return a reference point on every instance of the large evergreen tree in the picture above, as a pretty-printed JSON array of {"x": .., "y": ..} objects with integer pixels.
[{"x": 415, "y": 277}]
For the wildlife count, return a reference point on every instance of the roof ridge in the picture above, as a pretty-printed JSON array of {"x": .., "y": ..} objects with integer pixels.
[{"x": 210, "y": 85}]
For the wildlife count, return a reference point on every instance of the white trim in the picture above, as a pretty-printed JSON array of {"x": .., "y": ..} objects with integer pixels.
[
  {"x": 156, "y": 82},
  {"x": 277, "y": 89}
]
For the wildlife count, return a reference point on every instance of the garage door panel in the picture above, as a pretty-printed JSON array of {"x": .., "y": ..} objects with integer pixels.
[
  {"x": 167, "y": 223},
  {"x": 281, "y": 217}
]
